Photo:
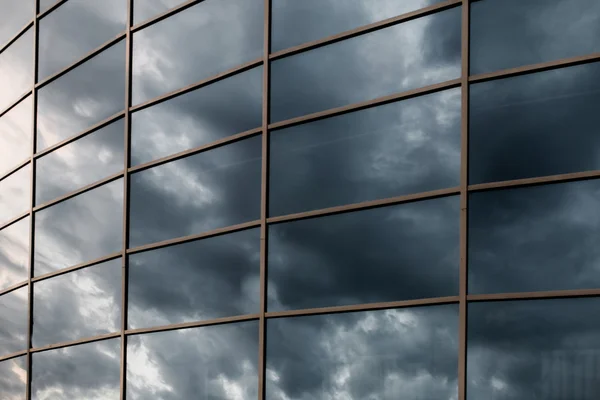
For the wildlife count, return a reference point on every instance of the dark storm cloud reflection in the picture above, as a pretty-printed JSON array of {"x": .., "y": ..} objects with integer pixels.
[
  {"x": 14, "y": 250},
  {"x": 89, "y": 371},
  {"x": 15, "y": 193},
  {"x": 195, "y": 44},
  {"x": 76, "y": 28},
  {"x": 15, "y": 135},
  {"x": 13, "y": 378},
  {"x": 512, "y": 33},
  {"x": 146, "y": 9},
  {"x": 15, "y": 15},
  {"x": 77, "y": 305},
  {"x": 13, "y": 314},
  {"x": 80, "y": 229},
  {"x": 16, "y": 69},
  {"x": 407, "y": 353},
  {"x": 400, "y": 148},
  {"x": 213, "y": 362},
  {"x": 401, "y": 252},
  {"x": 206, "y": 279},
  {"x": 534, "y": 349}
]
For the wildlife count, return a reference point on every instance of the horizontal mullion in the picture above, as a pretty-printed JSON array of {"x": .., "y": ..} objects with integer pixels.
[
  {"x": 386, "y": 23},
  {"x": 15, "y": 103},
  {"x": 454, "y": 83},
  {"x": 164, "y": 15},
  {"x": 14, "y": 169},
  {"x": 77, "y": 267},
  {"x": 70, "y": 343},
  {"x": 576, "y": 176},
  {"x": 13, "y": 355},
  {"x": 196, "y": 324},
  {"x": 554, "y": 294},
  {"x": 51, "y": 8},
  {"x": 14, "y": 220},
  {"x": 14, "y": 287},
  {"x": 16, "y": 36}
]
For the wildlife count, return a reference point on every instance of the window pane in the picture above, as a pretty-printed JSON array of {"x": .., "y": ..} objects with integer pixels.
[
  {"x": 87, "y": 371},
  {"x": 78, "y": 164},
  {"x": 15, "y": 194},
  {"x": 409, "y": 353},
  {"x": 533, "y": 125},
  {"x": 13, "y": 378},
  {"x": 146, "y": 9},
  {"x": 79, "y": 304},
  {"x": 296, "y": 22},
  {"x": 210, "y": 190},
  {"x": 400, "y": 148},
  {"x": 76, "y": 28},
  {"x": 534, "y": 349},
  {"x": 16, "y": 69},
  {"x": 403, "y": 57},
  {"x": 194, "y": 119},
  {"x": 537, "y": 238},
  {"x": 512, "y": 33},
  {"x": 13, "y": 315},
  {"x": 402, "y": 252},
  {"x": 212, "y": 362},
  {"x": 14, "y": 253},
  {"x": 206, "y": 279},
  {"x": 80, "y": 229},
  {"x": 46, "y": 4},
  {"x": 226, "y": 33},
  {"x": 15, "y": 15},
  {"x": 75, "y": 101},
  {"x": 15, "y": 135}
]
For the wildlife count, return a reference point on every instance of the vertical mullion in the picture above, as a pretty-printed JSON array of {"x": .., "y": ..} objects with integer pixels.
[
  {"x": 126, "y": 164},
  {"x": 264, "y": 201},
  {"x": 464, "y": 177}
]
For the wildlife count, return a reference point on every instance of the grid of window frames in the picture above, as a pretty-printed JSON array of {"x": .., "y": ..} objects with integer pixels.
[{"x": 271, "y": 199}]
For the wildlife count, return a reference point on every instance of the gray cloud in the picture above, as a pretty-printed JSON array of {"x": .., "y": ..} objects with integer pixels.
[
  {"x": 146, "y": 9},
  {"x": 14, "y": 253},
  {"x": 15, "y": 194},
  {"x": 15, "y": 15},
  {"x": 13, "y": 314},
  {"x": 16, "y": 69},
  {"x": 15, "y": 134},
  {"x": 13, "y": 378}
]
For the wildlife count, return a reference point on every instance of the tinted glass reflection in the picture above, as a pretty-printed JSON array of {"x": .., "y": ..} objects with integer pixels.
[
  {"x": 76, "y": 305},
  {"x": 538, "y": 238},
  {"x": 403, "y": 57},
  {"x": 207, "y": 279},
  {"x": 76, "y": 28},
  {"x": 226, "y": 34},
  {"x": 210, "y": 113},
  {"x": 15, "y": 15},
  {"x": 15, "y": 135},
  {"x": 512, "y": 33},
  {"x": 295, "y": 22},
  {"x": 406, "y": 147},
  {"x": 534, "y": 125},
  {"x": 13, "y": 315},
  {"x": 146, "y": 9},
  {"x": 80, "y": 163},
  {"x": 407, "y": 353},
  {"x": 212, "y": 362},
  {"x": 75, "y": 101},
  {"x": 14, "y": 253},
  {"x": 46, "y": 4},
  {"x": 87, "y": 371},
  {"x": 210, "y": 190},
  {"x": 15, "y": 194},
  {"x": 13, "y": 378},
  {"x": 16, "y": 69},
  {"x": 393, "y": 253},
  {"x": 534, "y": 349},
  {"x": 80, "y": 229}
]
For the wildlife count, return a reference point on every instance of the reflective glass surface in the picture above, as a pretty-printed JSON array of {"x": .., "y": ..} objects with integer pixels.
[
  {"x": 80, "y": 163},
  {"x": 146, "y": 9},
  {"x": 13, "y": 378},
  {"x": 295, "y": 22},
  {"x": 15, "y": 194},
  {"x": 534, "y": 125},
  {"x": 225, "y": 34},
  {"x": 400, "y": 148},
  {"x": 537, "y": 238},
  {"x": 409, "y": 353},
  {"x": 417, "y": 53},
  {"x": 201, "y": 280},
  {"x": 212, "y": 362},
  {"x": 76, "y": 28},
  {"x": 16, "y": 69},
  {"x": 15, "y": 135},
  {"x": 393, "y": 253},
  {"x": 75, "y": 101},
  {"x": 209, "y": 190},
  {"x": 46, "y": 4},
  {"x": 512, "y": 33},
  {"x": 87, "y": 371},
  {"x": 80, "y": 304},
  {"x": 13, "y": 321},
  {"x": 80, "y": 229},
  {"x": 534, "y": 349},
  {"x": 14, "y": 253},
  {"x": 194, "y": 119},
  {"x": 15, "y": 15}
]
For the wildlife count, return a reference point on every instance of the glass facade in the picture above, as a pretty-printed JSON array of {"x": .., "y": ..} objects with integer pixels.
[{"x": 299, "y": 199}]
